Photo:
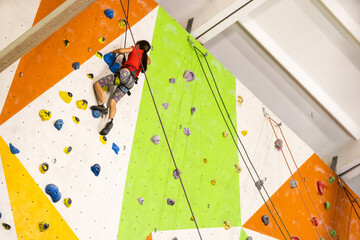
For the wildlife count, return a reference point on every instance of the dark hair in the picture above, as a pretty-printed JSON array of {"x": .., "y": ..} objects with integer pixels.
[{"x": 145, "y": 46}]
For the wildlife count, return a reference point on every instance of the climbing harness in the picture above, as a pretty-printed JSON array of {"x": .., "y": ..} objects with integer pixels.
[
  {"x": 196, "y": 50},
  {"x": 161, "y": 123},
  {"x": 292, "y": 175}
]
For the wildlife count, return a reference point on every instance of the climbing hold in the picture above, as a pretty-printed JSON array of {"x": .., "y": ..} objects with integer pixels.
[
  {"x": 66, "y": 96},
  {"x": 99, "y": 55},
  {"x": 175, "y": 238},
  {"x": 67, "y": 150},
  {"x": 176, "y": 173},
  {"x": 115, "y": 148},
  {"x": 6, "y": 226},
  {"x": 76, "y": 119},
  {"x": 205, "y": 160},
  {"x": 101, "y": 40},
  {"x": 0, "y": 214},
  {"x": 90, "y": 75},
  {"x": 141, "y": 200},
  {"x": 82, "y": 104},
  {"x": 44, "y": 115},
  {"x": 155, "y": 139},
  {"x": 96, "y": 113},
  {"x": 53, "y": 191},
  {"x": 58, "y": 124},
  {"x": 67, "y": 202},
  {"x": 327, "y": 205},
  {"x": 165, "y": 105},
  {"x": 66, "y": 42},
  {"x": 244, "y": 133},
  {"x": 76, "y": 65},
  {"x": 293, "y": 183},
  {"x": 333, "y": 233},
  {"x": 43, "y": 226},
  {"x": 89, "y": 49},
  {"x": 320, "y": 187},
  {"x": 21, "y": 74},
  {"x": 249, "y": 238},
  {"x": 13, "y": 149},
  {"x": 331, "y": 179},
  {"x": 315, "y": 221},
  {"x": 172, "y": 80},
  {"x": 213, "y": 182},
  {"x": 170, "y": 201},
  {"x": 95, "y": 169},
  {"x": 265, "y": 219},
  {"x": 239, "y": 100},
  {"x": 103, "y": 139},
  {"x": 109, "y": 13},
  {"x": 44, "y": 167},
  {"x": 238, "y": 168},
  {"x": 259, "y": 184},
  {"x": 122, "y": 23},
  {"x": 192, "y": 110},
  {"x": 189, "y": 75},
  {"x": 192, "y": 218},
  {"x": 295, "y": 238},
  {"x": 278, "y": 144},
  {"x": 225, "y": 134},
  {"x": 187, "y": 131},
  {"x": 227, "y": 225}
]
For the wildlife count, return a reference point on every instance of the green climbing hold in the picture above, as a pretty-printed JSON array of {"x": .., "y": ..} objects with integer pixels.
[
  {"x": 333, "y": 233},
  {"x": 331, "y": 179},
  {"x": 327, "y": 205}
]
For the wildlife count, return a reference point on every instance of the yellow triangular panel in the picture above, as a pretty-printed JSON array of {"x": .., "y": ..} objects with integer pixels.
[{"x": 29, "y": 203}]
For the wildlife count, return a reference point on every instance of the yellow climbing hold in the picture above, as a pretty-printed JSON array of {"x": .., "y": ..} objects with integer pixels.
[
  {"x": 192, "y": 218},
  {"x": 67, "y": 150},
  {"x": 244, "y": 133},
  {"x": 44, "y": 115},
  {"x": 101, "y": 40},
  {"x": 67, "y": 202},
  {"x": 90, "y": 75},
  {"x": 227, "y": 225},
  {"x": 82, "y": 104},
  {"x": 238, "y": 168},
  {"x": 76, "y": 119},
  {"x": 205, "y": 160},
  {"x": 103, "y": 139},
  {"x": 66, "y": 96},
  {"x": 43, "y": 226},
  {"x": 239, "y": 100},
  {"x": 44, "y": 167},
  {"x": 99, "y": 55},
  {"x": 225, "y": 134},
  {"x": 213, "y": 182},
  {"x": 122, "y": 23}
]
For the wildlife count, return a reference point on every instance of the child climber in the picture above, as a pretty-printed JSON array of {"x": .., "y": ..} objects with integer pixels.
[{"x": 124, "y": 79}]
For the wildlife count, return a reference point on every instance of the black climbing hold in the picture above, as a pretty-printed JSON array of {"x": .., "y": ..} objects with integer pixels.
[
  {"x": 278, "y": 144},
  {"x": 249, "y": 238},
  {"x": 66, "y": 42},
  {"x": 265, "y": 219},
  {"x": 6, "y": 226},
  {"x": 76, "y": 65},
  {"x": 21, "y": 74},
  {"x": 176, "y": 173},
  {"x": 170, "y": 201},
  {"x": 259, "y": 184}
]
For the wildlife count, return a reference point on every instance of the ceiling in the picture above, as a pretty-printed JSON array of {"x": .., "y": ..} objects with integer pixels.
[{"x": 300, "y": 58}]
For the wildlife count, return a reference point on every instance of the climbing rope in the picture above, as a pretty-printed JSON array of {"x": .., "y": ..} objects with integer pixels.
[
  {"x": 293, "y": 178},
  {"x": 348, "y": 194},
  {"x": 196, "y": 50},
  {"x": 161, "y": 123}
]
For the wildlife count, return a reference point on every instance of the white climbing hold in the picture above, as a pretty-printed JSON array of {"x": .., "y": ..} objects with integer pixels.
[
  {"x": 141, "y": 200},
  {"x": 165, "y": 105},
  {"x": 187, "y": 131},
  {"x": 155, "y": 139},
  {"x": 189, "y": 76}
]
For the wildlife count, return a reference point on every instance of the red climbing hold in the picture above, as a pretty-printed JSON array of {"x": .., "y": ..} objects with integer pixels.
[
  {"x": 320, "y": 187},
  {"x": 295, "y": 238},
  {"x": 315, "y": 221}
]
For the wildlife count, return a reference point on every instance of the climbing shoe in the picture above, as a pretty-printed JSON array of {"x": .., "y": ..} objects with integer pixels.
[
  {"x": 107, "y": 128},
  {"x": 100, "y": 108}
]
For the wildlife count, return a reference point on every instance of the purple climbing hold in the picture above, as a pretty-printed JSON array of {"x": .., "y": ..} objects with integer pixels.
[
  {"x": 141, "y": 200},
  {"x": 193, "y": 109},
  {"x": 165, "y": 105},
  {"x": 176, "y": 173},
  {"x": 109, "y": 13},
  {"x": 172, "y": 80},
  {"x": 115, "y": 148},
  {"x": 187, "y": 131},
  {"x": 170, "y": 201},
  {"x": 76, "y": 65},
  {"x": 13, "y": 149},
  {"x": 155, "y": 139},
  {"x": 189, "y": 76}
]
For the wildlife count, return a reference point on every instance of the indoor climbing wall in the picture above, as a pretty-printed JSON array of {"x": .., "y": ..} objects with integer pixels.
[{"x": 61, "y": 180}]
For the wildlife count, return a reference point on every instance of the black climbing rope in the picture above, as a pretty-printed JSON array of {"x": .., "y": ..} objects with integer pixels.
[
  {"x": 196, "y": 50},
  {"x": 162, "y": 126},
  {"x": 351, "y": 198}
]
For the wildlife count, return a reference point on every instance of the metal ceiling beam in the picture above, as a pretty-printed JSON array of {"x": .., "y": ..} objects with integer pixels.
[{"x": 42, "y": 30}]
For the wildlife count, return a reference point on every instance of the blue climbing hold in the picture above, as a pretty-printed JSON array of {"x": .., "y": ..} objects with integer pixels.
[
  {"x": 13, "y": 149},
  {"x": 53, "y": 191},
  {"x": 0, "y": 215},
  {"x": 115, "y": 148},
  {"x": 109, "y": 13},
  {"x": 76, "y": 65},
  {"x": 96, "y": 113},
  {"x": 115, "y": 67},
  {"x": 96, "y": 169},
  {"x": 58, "y": 124}
]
